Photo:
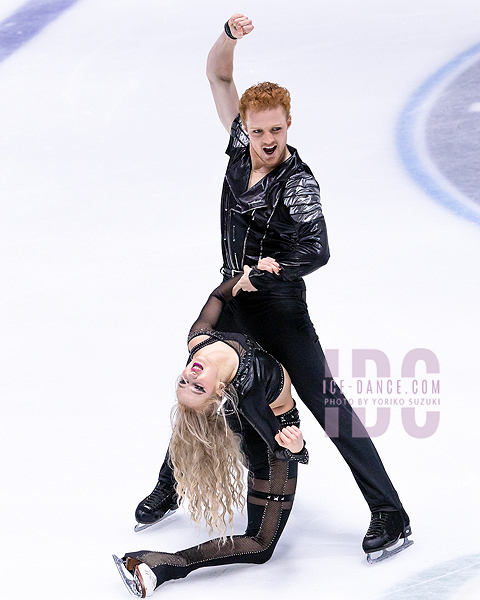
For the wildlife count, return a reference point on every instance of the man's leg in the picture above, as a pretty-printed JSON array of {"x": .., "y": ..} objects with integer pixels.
[{"x": 281, "y": 324}]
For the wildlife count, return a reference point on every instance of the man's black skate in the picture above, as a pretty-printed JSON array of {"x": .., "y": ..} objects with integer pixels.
[
  {"x": 386, "y": 529},
  {"x": 158, "y": 505}
]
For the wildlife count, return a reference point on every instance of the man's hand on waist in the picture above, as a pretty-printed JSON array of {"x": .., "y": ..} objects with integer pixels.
[{"x": 269, "y": 264}]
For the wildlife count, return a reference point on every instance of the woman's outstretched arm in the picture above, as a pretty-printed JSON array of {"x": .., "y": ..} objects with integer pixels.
[{"x": 211, "y": 311}]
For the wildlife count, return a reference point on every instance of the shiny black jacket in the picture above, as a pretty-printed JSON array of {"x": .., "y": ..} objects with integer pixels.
[{"x": 280, "y": 216}]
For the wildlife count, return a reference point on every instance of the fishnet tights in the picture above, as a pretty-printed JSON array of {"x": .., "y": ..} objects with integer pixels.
[{"x": 266, "y": 520}]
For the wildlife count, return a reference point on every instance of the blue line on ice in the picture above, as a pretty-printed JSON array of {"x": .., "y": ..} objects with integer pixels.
[
  {"x": 405, "y": 136},
  {"x": 26, "y": 22}
]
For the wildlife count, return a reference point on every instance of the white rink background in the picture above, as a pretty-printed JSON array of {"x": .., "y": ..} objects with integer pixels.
[{"x": 112, "y": 163}]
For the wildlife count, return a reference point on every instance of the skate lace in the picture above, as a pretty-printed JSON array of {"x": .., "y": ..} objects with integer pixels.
[
  {"x": 158, "y": 495},
  {"x": 378, "y": 524}
]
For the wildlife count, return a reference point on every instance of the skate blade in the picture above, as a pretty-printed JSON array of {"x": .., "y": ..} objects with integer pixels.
[
  {"x": 131, "y": 583},
  {"x": 142, "y": 526},
  {"x": 388, "y": 552}
]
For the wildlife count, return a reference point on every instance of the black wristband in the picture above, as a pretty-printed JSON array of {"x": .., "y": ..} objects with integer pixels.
[
  {"x": 301, "y": 457},
  {"x": 228, "y": 31}
]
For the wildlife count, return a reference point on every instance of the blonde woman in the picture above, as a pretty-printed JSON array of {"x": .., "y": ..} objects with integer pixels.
[{"x": 234, "y": 406}]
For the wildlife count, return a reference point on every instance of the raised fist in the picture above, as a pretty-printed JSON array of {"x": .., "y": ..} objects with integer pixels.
[{"x": 240, "y": 25}]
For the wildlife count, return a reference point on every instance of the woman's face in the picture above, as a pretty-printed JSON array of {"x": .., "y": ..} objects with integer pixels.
[{"x": 198, "y": 383}]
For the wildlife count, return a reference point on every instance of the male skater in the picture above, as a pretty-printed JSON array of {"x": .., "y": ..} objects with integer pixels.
[{"x": 272, "y": 221}]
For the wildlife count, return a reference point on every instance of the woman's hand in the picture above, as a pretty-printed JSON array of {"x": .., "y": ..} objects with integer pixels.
[
  {"x": 244, "y": 282},
  {"x": 290, "y": 437},
  {"x": 264, "y": 264},
  {"x": 240, "y": 25}
]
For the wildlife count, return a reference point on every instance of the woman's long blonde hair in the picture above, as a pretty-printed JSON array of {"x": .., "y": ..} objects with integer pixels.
[{"x": 207, "y": 464}]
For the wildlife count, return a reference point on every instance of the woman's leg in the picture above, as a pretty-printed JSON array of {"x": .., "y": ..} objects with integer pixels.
[{"x": 271, "y": 490}]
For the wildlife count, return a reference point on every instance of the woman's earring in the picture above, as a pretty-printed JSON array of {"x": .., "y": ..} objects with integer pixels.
[{"x": 223, "y": 397}]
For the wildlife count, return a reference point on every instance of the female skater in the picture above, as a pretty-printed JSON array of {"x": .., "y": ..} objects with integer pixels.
[{"x": 233, "y": 399}]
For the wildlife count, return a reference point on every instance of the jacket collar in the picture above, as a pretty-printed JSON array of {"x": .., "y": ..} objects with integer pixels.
[{"x": 238, "y": 174}]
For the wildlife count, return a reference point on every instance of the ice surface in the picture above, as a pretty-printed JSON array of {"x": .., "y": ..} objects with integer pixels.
[{"x": 112, "y": 164}]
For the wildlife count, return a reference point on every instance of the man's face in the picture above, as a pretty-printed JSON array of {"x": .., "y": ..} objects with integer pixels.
[{"x": 267, "y": 130}]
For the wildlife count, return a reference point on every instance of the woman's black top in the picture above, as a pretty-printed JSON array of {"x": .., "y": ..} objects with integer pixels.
[{"x": 259, "y": 378}]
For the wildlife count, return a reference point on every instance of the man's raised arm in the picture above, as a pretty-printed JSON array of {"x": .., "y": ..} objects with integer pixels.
[{"x": 220, "y": 68}]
